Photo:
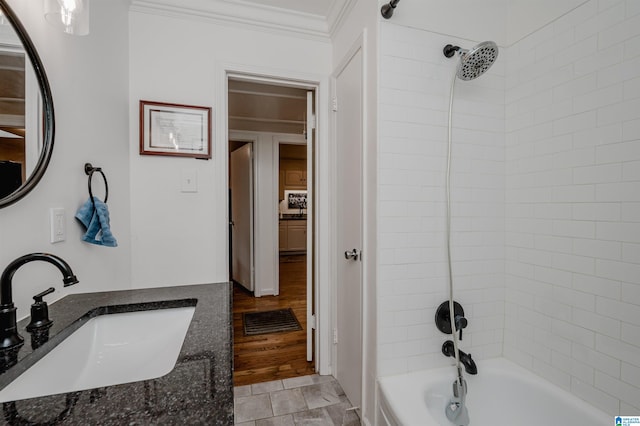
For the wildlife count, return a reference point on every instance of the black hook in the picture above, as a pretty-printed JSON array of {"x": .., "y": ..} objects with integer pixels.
[{"x": 89, "y": 170}]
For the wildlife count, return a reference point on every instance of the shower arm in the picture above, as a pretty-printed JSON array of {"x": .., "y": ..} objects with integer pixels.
[
  {"x": 388, "y": 9},
  {"x": 450, "y": 50}
]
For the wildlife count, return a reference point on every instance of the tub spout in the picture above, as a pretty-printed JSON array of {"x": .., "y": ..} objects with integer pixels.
[
  {"x": 469, "y": 364},
  {"x": 466, "y": 360}
]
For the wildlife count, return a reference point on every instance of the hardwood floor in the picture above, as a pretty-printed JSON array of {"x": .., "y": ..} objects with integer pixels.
[{"x": 274, "y": 356}]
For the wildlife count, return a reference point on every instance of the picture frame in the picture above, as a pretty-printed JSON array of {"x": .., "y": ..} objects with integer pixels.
[
  {"x": 295, "y": 200},
  {"x": 175, "y": 130}
]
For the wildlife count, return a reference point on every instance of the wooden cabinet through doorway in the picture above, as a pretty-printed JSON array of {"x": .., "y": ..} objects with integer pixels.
[
  {"x": 295, "y": 179},
  {"x": 293, "y": 235}
]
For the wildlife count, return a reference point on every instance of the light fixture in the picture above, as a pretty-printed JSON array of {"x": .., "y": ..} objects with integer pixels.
[{"x": 71, "y": 16}]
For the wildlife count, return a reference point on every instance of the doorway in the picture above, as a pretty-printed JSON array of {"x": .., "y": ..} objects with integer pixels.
[{"x": 272, "y": 116}]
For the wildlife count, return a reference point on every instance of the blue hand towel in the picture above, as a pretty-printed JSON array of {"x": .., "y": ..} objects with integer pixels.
[{"x": 96, "y": 221}]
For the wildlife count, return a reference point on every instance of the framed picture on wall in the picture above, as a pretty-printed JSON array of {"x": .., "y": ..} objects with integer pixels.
[
  {"x": 175, "y": 130},
  {"x": 295, "y": 200}
]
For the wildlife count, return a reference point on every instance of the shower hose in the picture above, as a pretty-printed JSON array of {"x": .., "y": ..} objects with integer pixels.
[{"x": 448, "y": 190}]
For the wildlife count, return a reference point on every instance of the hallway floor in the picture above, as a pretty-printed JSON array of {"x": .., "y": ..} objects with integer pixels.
[
  {"x": 276, "y": 356},
  {"x": 306, "y": 400}
]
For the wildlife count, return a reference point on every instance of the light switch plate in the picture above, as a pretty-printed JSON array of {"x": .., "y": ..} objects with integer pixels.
[
  {"x": 189, "y": 181},
  {"x": 56, "y": 222}
]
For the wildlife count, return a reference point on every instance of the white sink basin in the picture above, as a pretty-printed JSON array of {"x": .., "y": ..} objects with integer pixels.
[{"x": 107, "y": 350}]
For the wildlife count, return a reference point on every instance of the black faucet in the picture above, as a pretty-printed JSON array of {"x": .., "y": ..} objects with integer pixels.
[
  {"x": 10, "y": 340},
  {"x": 466, "y": 360}
]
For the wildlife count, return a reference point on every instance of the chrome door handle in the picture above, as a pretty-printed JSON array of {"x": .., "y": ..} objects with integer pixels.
[{"x": 353, "y": 254}]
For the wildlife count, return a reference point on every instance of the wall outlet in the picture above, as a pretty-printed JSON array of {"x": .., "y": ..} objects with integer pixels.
[{"x": 56, "y": 222}]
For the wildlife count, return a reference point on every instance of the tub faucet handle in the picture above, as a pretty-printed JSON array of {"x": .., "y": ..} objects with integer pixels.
[
  {"x": 461, "y": 322},
  {"x": 445, "y": 321}
]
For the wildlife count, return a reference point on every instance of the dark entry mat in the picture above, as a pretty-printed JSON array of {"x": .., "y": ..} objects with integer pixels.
[{"x": 267, "y": 322}]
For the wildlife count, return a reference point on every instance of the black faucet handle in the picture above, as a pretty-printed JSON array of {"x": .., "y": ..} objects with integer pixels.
[
  {"x": 38, "y": 297},
  {"x": 461, "y": 322},
  {"x": 40, "y": 312},
  {"x": 448, "y": 348},
  {"x": 40, "y": 321},
  {"x": 444, "y": 317}
]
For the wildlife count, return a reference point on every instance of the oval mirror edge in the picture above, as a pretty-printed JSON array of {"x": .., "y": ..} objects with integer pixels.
[{"x": 47, "y": 109}]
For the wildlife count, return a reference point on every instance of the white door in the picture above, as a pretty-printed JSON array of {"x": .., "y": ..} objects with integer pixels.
[
  {"x": 241, "y": 183},
  {"x": 348, "y": 91}
]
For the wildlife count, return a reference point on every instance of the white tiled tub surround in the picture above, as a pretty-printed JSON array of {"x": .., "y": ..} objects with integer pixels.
[
  {"x": 573, "y": 204},
  {"x": 414, "y": 98},
  {"x": 546, "y": 179}
]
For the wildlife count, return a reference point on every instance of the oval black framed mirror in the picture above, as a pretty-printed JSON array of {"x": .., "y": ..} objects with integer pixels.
[{"x": 27, "y": 125}]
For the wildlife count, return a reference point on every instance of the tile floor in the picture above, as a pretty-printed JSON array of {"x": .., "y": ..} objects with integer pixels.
[{"x": 305, "y": 400}]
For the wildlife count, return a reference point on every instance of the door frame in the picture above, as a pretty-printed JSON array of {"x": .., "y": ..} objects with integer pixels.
[{"x": 323, "y": 271}]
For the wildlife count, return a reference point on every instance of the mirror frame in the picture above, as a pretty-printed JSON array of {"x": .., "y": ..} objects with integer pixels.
[{"x": 47, "y": 109}]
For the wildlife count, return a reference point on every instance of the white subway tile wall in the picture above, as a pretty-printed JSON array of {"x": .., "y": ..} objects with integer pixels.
[
  {"x": 415, "y": 81},
  {"x": 570, "y": 250},
  {"x": 546, "y": 202}
]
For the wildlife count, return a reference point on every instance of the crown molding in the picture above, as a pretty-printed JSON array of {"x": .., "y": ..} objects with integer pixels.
[
  {"x": 239, "y": 12},
  {"x": 338, "y": 11}
]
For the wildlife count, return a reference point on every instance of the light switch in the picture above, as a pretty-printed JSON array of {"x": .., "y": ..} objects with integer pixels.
[
  {"x": 189, "y": 181},
  {"x": 56, "y": 221}
]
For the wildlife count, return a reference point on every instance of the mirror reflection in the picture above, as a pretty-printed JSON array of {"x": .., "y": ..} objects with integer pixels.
[{"x": 20, "y": 133}]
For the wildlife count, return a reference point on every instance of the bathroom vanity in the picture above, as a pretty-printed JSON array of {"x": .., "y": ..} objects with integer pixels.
[{"x": 198, "y": 390}]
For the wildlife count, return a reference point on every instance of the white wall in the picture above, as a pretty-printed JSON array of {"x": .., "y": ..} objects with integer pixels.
[
  {"x": 573, "y": 204},
  {"x": 464, "y": 19},
  {"x": 414, "y": 87},
  {"x": 180, "y": 238},
  {"x": 504, "y": 21},
  {"x": 525, "y": 16},
  {"x": 88, "y": 77}
]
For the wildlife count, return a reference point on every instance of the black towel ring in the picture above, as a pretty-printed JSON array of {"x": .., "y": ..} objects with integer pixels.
[{"x": 89, "y": 169}]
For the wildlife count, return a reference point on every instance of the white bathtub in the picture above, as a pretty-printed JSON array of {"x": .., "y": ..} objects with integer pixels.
[{"x": 501, "y": 393}]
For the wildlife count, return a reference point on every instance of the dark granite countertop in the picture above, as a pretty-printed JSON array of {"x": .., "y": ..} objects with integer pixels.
[{"x": 198, "y": 391}]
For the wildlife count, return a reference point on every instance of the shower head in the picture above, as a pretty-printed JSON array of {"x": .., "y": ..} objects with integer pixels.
[{"x": 473, "y": 62}]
